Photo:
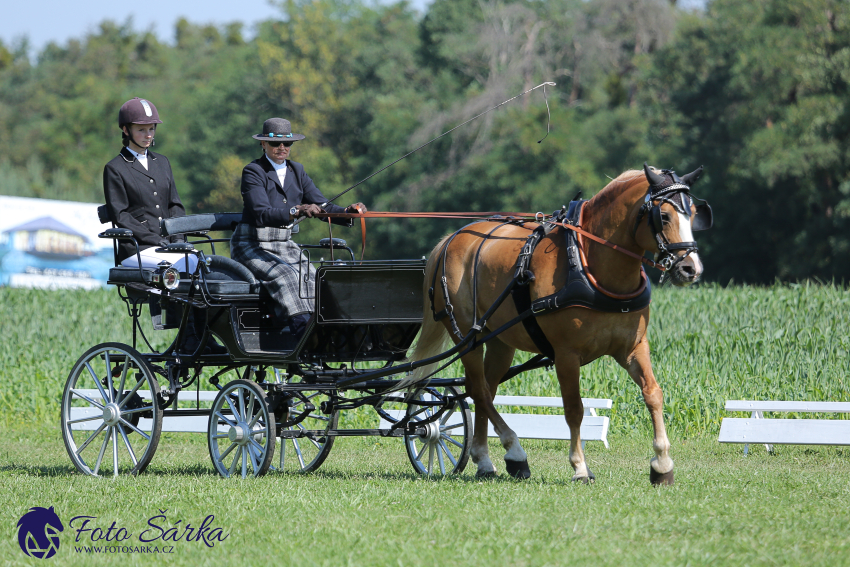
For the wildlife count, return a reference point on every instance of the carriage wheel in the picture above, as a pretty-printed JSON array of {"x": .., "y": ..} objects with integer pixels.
[
  {"x": 111, "y": 421},
  {"x": 307, "y": 454},
  {"x": 444, "y": 447},
  {"x": 241, "y": 430}
]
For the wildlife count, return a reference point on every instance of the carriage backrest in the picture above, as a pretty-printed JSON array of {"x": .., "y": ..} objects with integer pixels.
[{"x": 199, "y": 223}]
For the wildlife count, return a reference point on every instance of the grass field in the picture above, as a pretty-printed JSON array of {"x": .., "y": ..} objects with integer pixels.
[{"x": 366, "y": 507}]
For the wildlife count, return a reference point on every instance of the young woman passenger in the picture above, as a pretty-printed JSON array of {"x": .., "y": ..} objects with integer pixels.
[{"x": 139, "y": 189}]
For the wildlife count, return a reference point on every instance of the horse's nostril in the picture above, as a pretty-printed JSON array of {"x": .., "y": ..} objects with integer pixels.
[{"x": 688, "y": 271}]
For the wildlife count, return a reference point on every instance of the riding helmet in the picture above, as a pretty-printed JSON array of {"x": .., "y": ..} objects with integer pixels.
[{"x": 138, "y": 111}]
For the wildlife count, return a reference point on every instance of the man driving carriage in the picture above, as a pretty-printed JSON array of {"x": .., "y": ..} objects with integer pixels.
[
  {"x": 139, "y": 189},
  {"x": 276, "y": 191}
]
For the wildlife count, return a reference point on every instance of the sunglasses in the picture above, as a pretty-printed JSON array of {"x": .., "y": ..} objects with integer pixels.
[{"x": 276, "y": 144}]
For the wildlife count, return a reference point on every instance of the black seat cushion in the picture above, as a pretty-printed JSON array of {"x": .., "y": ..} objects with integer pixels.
[{"x": 123, "y": 274}]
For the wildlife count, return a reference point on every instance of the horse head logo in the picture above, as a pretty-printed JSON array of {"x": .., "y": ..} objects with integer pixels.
[{"x": 38, "y": 532}]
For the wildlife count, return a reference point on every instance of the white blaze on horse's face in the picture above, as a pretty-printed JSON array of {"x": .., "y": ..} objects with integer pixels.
[{"x": 687, "y": 235}]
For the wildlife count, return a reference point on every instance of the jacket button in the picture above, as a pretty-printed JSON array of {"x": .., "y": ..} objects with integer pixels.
[
  {"x": 151, "y": 180},
  {"x": 157, "y": 206},
  {"x": 160, "y": 218},
  {"x": 154, "y": 193}
]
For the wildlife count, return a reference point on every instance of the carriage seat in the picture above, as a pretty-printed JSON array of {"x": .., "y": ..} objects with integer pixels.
[{"x": 226, "y": 277}]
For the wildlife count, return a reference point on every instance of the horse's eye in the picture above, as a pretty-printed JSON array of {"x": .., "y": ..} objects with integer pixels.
[{"x": 665, "y": 218}]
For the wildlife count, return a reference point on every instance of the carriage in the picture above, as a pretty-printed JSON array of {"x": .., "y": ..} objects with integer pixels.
[{"x": 273, "y": 388}]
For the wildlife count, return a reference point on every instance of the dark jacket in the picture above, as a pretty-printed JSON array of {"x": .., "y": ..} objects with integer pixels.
[
  {"x": 138, "y": 198},
  {"x": 267, "y": 204}
]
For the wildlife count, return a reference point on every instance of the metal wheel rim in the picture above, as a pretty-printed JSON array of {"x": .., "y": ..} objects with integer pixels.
[
  {"x": 306, "y": 455},
  {"x": 100, "y": 416},
  {"x": 445, "y": 449},
  {"x": 241, "y": 431}
]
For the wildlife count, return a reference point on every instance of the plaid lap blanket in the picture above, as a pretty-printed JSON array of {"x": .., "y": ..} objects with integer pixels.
[{"x": 277, "y": 263}]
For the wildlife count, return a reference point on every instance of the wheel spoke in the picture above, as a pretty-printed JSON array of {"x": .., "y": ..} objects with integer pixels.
[
  {"x": 124, "y": 374},
  {"x": 310, "y": 439},
  {"x": 232, "y": 468},
  {"x": 298, "y": 452},
  {"x": 450, "y": 440},
  {"x": 242, "y": 416},
  {"x": 224, "y": 419},
  {"x": 135, "y": 389},
  {"x": 282, "y": 451},
  {"x": 91, "y": 437},
  {"x": 227, "y": 452},
  {"x": 440, "y": 461},
  {"x": 86, "y": 398},
  {"x": 421, "y": 451},
  {"x": 82, "y": 419},
  {"x": 430, "y": 458},
  {"x": 250, "y": 412},
  {"x": 109, "y": 383},
  {"x": 252, "y": 455},
  {"x": 136, "y": 410},
  {"x": 448, "y": 415},
  {"x": 115, "y": 451},
  {"x": 448, "y": 427},
  {"x": 97, "y": 383},
  {"x": 448, "y": 453},
  {"x": 221, "y": 436},
  {"x": 244, "y": 462},
  {"x": 127, "y": 444},
  {"x": 258, "y": 447},
  {"x": 102, "y": 450},
  {"x": 134, "y": 428}
]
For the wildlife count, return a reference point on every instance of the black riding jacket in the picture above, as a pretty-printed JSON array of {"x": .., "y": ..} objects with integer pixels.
[{"x": 138, "y": 198}]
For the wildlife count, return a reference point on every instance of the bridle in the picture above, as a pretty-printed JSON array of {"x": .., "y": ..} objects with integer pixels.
[{"x": 670, "y": 189}]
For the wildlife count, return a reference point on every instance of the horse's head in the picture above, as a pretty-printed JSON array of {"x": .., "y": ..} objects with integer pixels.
[{"x": 672, "y": 217}]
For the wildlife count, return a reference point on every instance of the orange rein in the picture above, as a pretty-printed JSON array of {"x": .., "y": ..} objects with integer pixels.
[{"x": 501, "y": 216}]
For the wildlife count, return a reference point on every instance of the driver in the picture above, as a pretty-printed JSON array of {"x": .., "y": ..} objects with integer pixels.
[
  {"x": 140, "y": 192},
  {"x": 276, "y": 191}
]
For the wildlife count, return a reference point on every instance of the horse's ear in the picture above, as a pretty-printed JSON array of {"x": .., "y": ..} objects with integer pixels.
[
  {"x": 653, "y": 178},
  {"x": 692, "y": 177}
]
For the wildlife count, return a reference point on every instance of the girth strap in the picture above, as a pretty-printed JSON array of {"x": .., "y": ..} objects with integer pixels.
[{"x": 522, "y": 295}]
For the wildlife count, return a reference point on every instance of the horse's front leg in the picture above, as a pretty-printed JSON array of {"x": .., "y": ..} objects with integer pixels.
[
  {"x": 568, "y": 367},
  {"x": 639, "y": 368}
]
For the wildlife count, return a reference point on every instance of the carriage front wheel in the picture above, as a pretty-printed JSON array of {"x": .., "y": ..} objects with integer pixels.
[
  {"x": 111, "y": 420},
  {"x": 444, "y": 444},
  {"x": 241, "y": 430}
]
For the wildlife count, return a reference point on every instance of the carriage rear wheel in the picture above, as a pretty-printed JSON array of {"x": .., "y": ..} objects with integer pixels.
[
  {"x": 444, "y": 446},
  {"x": 306, "y": 454},
  {"x": 111, "y": 421},
  {"x": 241, "y": 430}
]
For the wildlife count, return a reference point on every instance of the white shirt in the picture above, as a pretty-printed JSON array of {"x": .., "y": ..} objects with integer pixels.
[
  {"x": 280, "y": 168},
  {"x": 143, "y": 158}
]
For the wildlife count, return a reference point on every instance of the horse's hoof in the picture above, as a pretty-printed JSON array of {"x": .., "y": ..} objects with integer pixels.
[
  {"x": 589, "y": 479},
  {"x": 659, "y": 479},
  {"x": 485, "y": 475},
  {"x": 518, "y": 469}
]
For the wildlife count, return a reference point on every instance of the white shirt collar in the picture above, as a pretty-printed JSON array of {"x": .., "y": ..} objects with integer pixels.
[
  {"x": 276, "y": 166},
  {"x": 138, "y": 155}
]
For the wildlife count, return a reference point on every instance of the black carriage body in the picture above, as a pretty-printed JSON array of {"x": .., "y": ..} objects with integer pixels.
[{"x": 364, "y": 312}]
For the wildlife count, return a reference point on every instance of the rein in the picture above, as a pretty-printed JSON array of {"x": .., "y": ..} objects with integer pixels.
[{"x": 491, "y": 216}]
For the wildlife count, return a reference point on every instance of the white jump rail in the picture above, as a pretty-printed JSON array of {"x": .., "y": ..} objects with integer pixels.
[
  {"x": 527, "y": 426},
  {"x": 171, "y": 424},
  {"x": 758, "y": 430},
  {"x": 533, "y": 426}
]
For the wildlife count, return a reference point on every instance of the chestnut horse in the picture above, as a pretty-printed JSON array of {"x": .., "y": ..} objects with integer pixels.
[{"x": 638, "y": 211}]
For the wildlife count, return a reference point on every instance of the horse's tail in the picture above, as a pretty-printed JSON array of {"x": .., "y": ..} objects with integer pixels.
[{"x": 433, "y": 337}]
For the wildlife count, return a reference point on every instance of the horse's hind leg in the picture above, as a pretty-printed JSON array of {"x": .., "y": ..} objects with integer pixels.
[
  {"x": 497, "y": 361},
  {"x": 568, "y": 367},
  {"x": 478, "y": 387},
  {"x": 639, "y": 368}
]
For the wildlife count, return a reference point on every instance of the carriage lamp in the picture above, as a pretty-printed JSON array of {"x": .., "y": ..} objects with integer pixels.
[{"x": 166, "y": 277}]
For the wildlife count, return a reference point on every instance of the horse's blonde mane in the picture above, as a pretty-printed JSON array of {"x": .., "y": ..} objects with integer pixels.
[{"x": 622, "y": 183}]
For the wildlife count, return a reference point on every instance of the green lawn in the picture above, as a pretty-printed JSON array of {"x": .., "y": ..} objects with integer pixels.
[{"x": 366, "y": 507}]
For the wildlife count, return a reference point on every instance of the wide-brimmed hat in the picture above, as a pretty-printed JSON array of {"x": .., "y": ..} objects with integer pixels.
[{"x": 278, "y": 130}]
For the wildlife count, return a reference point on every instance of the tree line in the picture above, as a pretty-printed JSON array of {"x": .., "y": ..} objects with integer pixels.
[{"x": 756, "y": 91}]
